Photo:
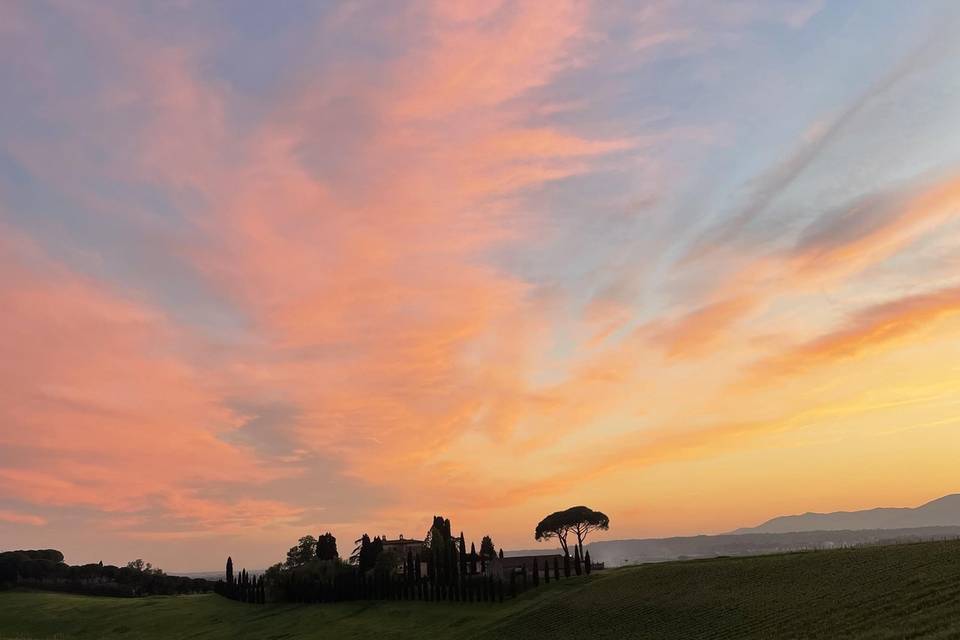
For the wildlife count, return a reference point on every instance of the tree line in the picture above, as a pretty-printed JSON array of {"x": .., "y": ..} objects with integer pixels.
[
  {"x": 244, "y": 587},
  {"x": 45, "y": 569},
  {"x": 445, "y": 570}
]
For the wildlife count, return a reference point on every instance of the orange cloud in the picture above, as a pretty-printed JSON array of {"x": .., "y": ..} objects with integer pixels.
[
  {"x": 698, "y": 330},
  {"x": 868, "y": 330}
]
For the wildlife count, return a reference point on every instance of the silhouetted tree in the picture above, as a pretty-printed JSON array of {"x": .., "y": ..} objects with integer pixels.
[
  {"x": 327, "y": 547},
  {"x": 553, "y": 526},
  {"x": 584, "y": 521},
  {"x": 580, "y": 521},
  {"x": 487, "y": 550},
  {"x": 439, "y": 531},
  {"x": 357, "y": 547},
  {"x": 303, "y": 552},
  {"x": 473, "y": 559},
  {"x": 439, "y": 540},
  {"x": 454, "y": 569},
  {"x": 588, "y": 567},
  {"x": 536, "y": 573},
  {"x": 229, "y": 570},
  {"x": 366, "y": 553},
  {"x": 577, "y": 560},
  {"x": 370, "y": 552}
]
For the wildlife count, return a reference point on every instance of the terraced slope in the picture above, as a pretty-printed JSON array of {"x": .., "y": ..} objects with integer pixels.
[{"x": 906, "y": 591}]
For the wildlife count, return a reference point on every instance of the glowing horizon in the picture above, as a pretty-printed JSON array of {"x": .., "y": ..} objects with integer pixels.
[{"x": 269, "y": 271}]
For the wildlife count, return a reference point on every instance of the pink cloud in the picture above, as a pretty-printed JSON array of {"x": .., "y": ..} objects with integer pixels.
[
  {"x": 15, "y": 517},
  {"x": 106, "y": 412},
  {"x": 373, "y": 308}
]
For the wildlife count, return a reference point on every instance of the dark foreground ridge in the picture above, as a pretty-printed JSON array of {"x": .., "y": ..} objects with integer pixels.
[{"x": 910, "y": 590}]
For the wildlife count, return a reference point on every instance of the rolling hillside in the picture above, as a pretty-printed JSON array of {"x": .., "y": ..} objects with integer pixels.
[{"x": 876, "y": 592}]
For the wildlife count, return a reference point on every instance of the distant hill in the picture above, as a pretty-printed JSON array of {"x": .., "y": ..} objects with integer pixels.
[
  {"x": 936, "y": 520},
  {"x": 617, "y": 553},
  {"x": 943, "y": 512}
]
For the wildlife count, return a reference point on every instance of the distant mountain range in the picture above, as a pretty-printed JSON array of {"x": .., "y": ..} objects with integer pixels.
[
  {"x": 943, "y": 512},
  {"x": 939, "y": 519}
]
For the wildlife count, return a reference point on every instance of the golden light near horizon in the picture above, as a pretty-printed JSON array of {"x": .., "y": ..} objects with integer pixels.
[{"x": 336, "y": 267}]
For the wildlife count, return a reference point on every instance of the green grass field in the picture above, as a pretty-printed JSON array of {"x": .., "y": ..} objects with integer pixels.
[{"x": 907, "y": 591}]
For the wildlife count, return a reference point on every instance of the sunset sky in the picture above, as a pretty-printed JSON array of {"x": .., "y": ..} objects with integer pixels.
[{"x": 278, "y": 268}]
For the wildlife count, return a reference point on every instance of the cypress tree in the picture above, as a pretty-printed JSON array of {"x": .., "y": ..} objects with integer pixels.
[
  {"x": 576, "y": 559},
  {"x": 587, "y": 565},
  {"x": 229, "y": 570},
  {"x": 473, "y": 559},
  {"x": 536, "y": 573},
  {"x": 566, "y": 565},
  {"x": 454, "y": 565}
]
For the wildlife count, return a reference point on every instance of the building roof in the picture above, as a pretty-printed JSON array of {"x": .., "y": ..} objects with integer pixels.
[
  {"x": 517, "y": 561},
  {"x": 403, "y": 541}
]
